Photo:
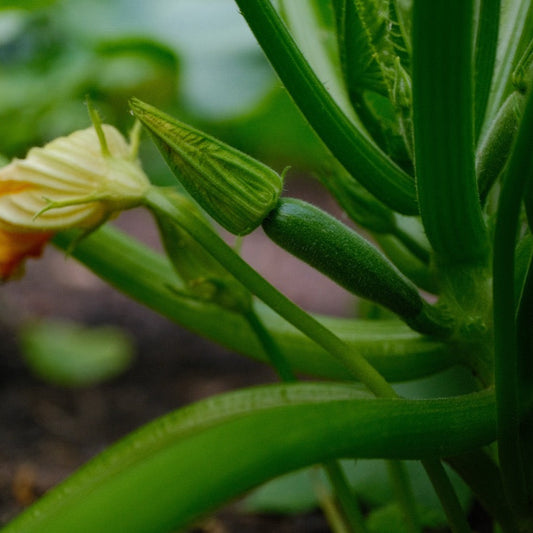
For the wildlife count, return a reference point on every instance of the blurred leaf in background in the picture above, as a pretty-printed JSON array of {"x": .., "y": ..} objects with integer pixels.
[
  {"x": 71, "y": 355},
  {"x": 195, "y": 59}
]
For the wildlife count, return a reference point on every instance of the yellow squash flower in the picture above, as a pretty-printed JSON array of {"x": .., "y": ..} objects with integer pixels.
[{"x": 77, "y": 181}]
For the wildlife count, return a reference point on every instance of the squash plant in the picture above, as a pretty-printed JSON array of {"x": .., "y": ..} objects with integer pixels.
[{"x": 426, "y": 109}]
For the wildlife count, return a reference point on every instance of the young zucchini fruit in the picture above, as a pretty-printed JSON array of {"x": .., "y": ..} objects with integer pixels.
[{"x": 344, "y": 256}]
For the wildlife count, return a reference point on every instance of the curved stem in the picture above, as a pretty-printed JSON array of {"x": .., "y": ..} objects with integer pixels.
[
  {"x": 354, "y": 150},
  {"x": 176, "y": 207},
  {"x": 485, "y": 56}
]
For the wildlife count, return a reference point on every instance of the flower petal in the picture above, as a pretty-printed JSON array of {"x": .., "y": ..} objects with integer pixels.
[{"x": 16, "y": 247}]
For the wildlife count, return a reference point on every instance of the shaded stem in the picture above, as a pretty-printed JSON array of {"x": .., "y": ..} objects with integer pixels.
[
  {"x": 343, "y": 492},
  {"x": 446, "y": 493},
  {"x": 276, "y": 357},
  {"x": 507, "y": 354},
  {"x": 480, "y": 472},
  {"x": 404, "y": 495},
  {"x": 444, "y": 133},
  {"x": 345, "y": 497},
  {"x": 177, "y": 208}
]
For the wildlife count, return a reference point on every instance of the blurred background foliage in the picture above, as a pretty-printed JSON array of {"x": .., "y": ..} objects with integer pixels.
[{"x": 194, "y": 59}]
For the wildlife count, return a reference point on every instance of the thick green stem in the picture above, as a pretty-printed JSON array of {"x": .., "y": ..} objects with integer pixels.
[{"x": 507, "y": 354}]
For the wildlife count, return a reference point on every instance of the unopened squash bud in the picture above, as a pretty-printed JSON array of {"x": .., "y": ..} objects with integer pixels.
[{"x": 233, "y": 188}]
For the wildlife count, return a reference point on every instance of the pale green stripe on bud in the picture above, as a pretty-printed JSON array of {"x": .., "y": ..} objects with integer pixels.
[{"x": 235, "y": 189}]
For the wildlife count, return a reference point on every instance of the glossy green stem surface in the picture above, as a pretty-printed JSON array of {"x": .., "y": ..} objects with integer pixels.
[{"x": 160, "y": 478}]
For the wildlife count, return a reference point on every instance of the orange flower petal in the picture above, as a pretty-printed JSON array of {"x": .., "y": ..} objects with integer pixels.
[{"x": 16, "y": 247}]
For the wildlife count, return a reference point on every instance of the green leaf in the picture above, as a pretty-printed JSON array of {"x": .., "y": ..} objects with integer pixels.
[
  {"x": 189, "y": 462},
  {"x": 71, "y": 355}
]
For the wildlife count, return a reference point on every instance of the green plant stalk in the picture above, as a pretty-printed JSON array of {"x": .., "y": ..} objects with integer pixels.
[
  {"x": 330, "y": 510},
  {"x": 147, "y": 277},
  {"x": 514, "y": 19},
  {"x": 524, "y": 318},
  {"x": 276, "y": 357},
  {"x": 176, "y": 208},
  {"x": 443, "y": 128},
  {"x": 346, "y": 498},
  {"x": 137, "y": 485},
  {"x": 507, "y": 355},
  {"x": 485, "y": 56},
  {"x": 493, "y": 152},
  {"x": 445, "y": 491},
  {"x": 404, "y": 495},
  {"x": 354, "y": 150},
  {"x": 482, "y": 475}
]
